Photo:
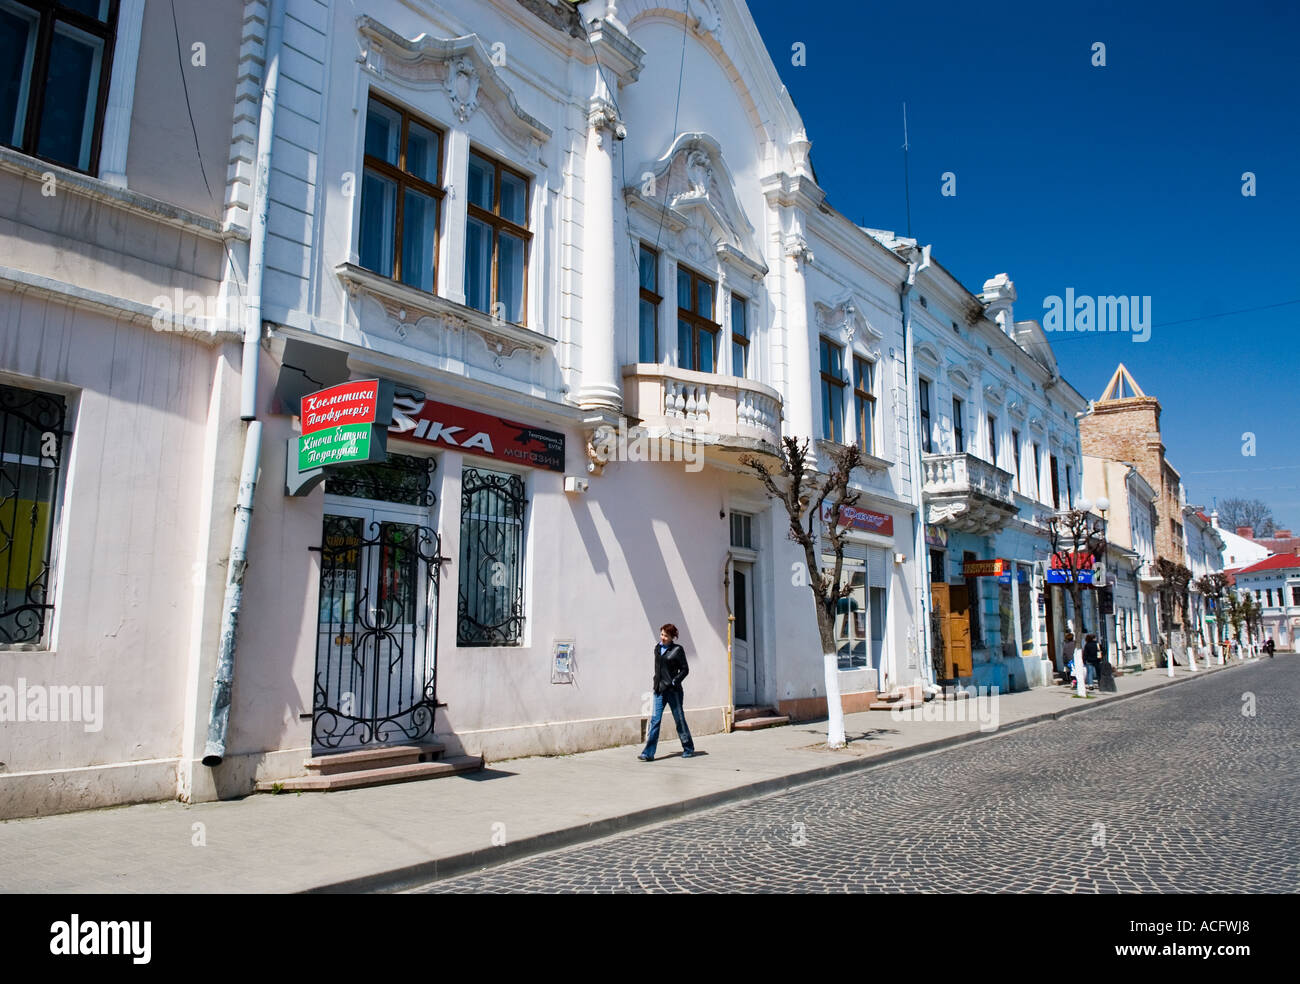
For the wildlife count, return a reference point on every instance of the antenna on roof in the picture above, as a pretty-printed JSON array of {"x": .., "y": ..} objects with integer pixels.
[{"x": 907, "y": 193}]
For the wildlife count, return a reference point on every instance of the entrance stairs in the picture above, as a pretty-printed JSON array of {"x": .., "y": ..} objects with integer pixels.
[
  {"x": 756, "y": 718},
  {"x": 377, "y": 766},
  {"x": 903, "y": 698}
]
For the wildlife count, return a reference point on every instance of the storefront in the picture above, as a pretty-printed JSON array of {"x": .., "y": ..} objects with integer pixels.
[{"x": 862, "y": 623}]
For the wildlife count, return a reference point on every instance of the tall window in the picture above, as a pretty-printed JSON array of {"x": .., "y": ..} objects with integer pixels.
[
  {"x": 993, "y": 439},
  {"x": 697, "y": 331},
  {"x": 55, "y": 60},
  {"x": 496, "y": 239},
  {"x": 958, "y": 427},
  {"x": 1015, "y": 449},
  {"x": 648, "y": 349},
  {"x": 927, "y": 441},
  {"x": 32, "y": 438},
  {"x": 739, "y": 337},
  {"x": 864, "y": 403},
  {"x": 401, "y": 196},
  {"x": 1056, "y": 487},
  {"x": 490, "y": 608},
  {"x": 832, "y": 367},
  {"x": 1038, "y": 471},
  {"x": 1069, "y": 486}
]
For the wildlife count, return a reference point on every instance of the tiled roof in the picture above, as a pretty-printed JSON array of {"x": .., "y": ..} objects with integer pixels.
[{"x": 1278, "y": 562}]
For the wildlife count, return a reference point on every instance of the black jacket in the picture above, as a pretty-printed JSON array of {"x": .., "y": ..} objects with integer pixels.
[
  {"x": 1090, "y": 653},
  {"x": 670, "y": 668}
]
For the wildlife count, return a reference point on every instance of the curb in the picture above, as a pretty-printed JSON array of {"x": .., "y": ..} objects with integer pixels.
[{"x": 410, "y": 876}]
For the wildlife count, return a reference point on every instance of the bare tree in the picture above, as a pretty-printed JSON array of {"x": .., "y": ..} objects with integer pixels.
[
  {"x": 1174, "y": 579},
  {"x": 1213, "y": 587},
  {"x": 1254, "y": 513},
  {"x": 1077, "y": 540},
  {"x": 796, "y": 484}
]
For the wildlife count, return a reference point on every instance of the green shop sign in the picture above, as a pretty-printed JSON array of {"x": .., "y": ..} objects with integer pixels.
[{"x": 341, "y": 445}]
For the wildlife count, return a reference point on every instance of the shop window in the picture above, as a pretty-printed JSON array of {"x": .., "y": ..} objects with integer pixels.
[
  {"x": 833, "y": 386},
  {"x": 33, "y": 436},
  {"x": 55, "y": 62},
  {"x": 497, "y": 240},
  {"x": 490, "y": 609},
  {"x": 697, "y": 329},
  {"x": 401, "y": 196},
  {"x": 648, "y": 339},
  {"x": 851, "y": 621}
]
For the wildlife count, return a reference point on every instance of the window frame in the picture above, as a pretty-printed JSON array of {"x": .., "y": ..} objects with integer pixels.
[
  {"x": 48, "y": 12},
  {"x": 648, "y": 296},
  {"x": 404, "y": 179},
  {"x": 489, "y": 636},
  {"x": 861, "y": 398},
  {"x": 958, "y": 429},
  {"x": 993, "y": 439},
  {"x": 499, "y": 224},
  {"x": 1015, "y": 450},
  {"x": 923, "y": 411},
  {"x": 698, "y": 323},
  {"x": 739, "y": 340},
  {"x": 825, "y": 345}
]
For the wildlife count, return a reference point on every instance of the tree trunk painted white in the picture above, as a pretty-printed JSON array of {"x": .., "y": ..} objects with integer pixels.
[
  {"x": 1080, "y": 673},
  {"x": 834, "y": 706},
  {"x": 1169, "y": 660}
]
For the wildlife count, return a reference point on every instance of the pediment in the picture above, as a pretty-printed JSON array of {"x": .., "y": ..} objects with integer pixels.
[
  {"x": 846, "y": 317},
  {"x": 460, "y": 67},
  {"x": 692, "y": 180},
  {"x": 958, "y": 375},
  {"x": 926, "y": 352}
]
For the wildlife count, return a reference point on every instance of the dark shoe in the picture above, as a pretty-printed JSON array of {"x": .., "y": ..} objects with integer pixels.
[
  {"x": 688, "y": 755},
  {"x": 643, "y": 757}
]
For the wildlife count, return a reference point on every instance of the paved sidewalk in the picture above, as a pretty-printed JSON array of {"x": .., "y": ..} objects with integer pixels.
[{"x": 399, "y": 836}]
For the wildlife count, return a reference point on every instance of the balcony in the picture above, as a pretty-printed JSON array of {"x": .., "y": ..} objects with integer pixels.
[
  {"x": 967, "y": 494},
  {"x": 723, "y": 412}
]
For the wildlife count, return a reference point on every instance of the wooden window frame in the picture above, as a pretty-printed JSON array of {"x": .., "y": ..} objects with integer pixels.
[
  {"x": 698, "y": 322},
  {"x": 498, "y": 225},
  {"x": 738, "y": 339},
  {"x": 404, "y": 180},
  {"x": 646, "y": 294},
  {"x": 830, "y": 379},
  {"x": 861, "y": 397},
  {"x": 47, "y": 13}
]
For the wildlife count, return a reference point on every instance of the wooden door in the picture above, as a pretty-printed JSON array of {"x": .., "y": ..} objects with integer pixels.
[{"x": 958, "y": 635}]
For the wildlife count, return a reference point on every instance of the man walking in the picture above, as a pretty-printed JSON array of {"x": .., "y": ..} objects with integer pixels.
[{"x": 670, "y": 671}]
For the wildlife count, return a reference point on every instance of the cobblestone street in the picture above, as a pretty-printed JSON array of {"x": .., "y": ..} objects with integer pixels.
[{"x": 1177, "y": 791}]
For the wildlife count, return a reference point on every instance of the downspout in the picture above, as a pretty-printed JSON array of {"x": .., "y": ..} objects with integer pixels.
[
  {"x": 918, "y": 475},
  {"x": 219, "y": 715},
  {"x": 729, "y": 713}
]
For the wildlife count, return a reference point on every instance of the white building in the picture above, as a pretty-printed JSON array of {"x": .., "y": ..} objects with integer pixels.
[
  {"x": 1205, "y": 548},
  {"x": 1275, "y": 584}
]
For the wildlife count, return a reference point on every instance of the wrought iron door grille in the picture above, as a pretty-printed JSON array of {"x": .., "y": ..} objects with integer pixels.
[
  {"x": 490, "y": 610},
  {"x": 31, "y": 449},
  {"x": 376, "y": 657},
  {"x": 403, "y": 478}
]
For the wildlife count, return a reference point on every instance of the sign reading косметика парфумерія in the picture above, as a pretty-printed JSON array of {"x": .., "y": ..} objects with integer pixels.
[{"x": 337, "y": 423}]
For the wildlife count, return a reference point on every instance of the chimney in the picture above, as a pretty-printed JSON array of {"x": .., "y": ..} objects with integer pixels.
[
  {"x": 1247, "y": 531},
  {"x": 1281, "y": 534}
]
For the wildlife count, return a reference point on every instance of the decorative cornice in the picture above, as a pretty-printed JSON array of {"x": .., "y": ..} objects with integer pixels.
[{"x": 407, "y": 305}]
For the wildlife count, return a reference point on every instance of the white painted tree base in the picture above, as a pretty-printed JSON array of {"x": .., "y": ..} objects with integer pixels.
[{"x": 834, "y": 706}]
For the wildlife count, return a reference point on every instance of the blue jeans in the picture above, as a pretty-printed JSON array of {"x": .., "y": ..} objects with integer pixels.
[{"x": 673, "y": 698}]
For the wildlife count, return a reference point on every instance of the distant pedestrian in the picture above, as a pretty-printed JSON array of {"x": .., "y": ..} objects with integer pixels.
[
  {"x": 1067, "y": 658},
  {"x": 670, "y": 671},
  {"x": 1090, "y": 659},
  {"x": 1269, "y": 647}
]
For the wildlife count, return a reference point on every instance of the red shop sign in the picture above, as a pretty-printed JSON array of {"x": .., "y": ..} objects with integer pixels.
[
  {"x": 347, "y": 403},
  {"x": 861, "y": 519},
  {"x": 443, "y": 425}
]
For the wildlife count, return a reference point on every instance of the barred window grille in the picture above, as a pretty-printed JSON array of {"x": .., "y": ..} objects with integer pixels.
[
  {"x": 32, "y": 436},
  {"x": 490, "y": 610}
]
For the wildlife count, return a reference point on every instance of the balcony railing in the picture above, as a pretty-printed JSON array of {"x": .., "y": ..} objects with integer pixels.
[
  {"x": 967, "y": 493},
  {"x": 726, "y": 411}
]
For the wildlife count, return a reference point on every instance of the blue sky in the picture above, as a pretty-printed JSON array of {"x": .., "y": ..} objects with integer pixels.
[{"x": 1122, "y": 179}]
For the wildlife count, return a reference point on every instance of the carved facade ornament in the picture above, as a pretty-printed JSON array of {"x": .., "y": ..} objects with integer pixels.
[
  {"x": 462, "y": 88},
  {"x": 797, "y": 248},
  {"x": 600, "y": 445},
  {"x": 994, "y": 393}
]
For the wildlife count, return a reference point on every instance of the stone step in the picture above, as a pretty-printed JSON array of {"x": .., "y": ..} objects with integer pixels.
[
  {"x": 449, "y": 766},
  {"x": 899, "y": 703},
  {"x": 376, "y": 757},
  {"x": 755, "y": 711},
  {"x": 758, "y": 723}
]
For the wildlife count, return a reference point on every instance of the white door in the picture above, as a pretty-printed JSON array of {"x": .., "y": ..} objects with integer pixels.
[
  {"x": 742, "y": 639},
  {"x": 374, "y": 664}
]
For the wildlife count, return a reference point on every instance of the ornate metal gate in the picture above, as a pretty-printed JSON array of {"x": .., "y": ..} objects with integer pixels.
[{"x": 376, "y": 654}]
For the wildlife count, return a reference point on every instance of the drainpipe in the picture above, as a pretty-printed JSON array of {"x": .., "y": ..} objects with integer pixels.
[
  {"x": 914, "y": 267},
  {"x": 219, "y": 715}
]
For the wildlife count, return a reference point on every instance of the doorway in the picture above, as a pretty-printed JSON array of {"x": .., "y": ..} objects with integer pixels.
[
  {"x": 742, "y": 641},
  {"x": 376, "y": 625}
]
